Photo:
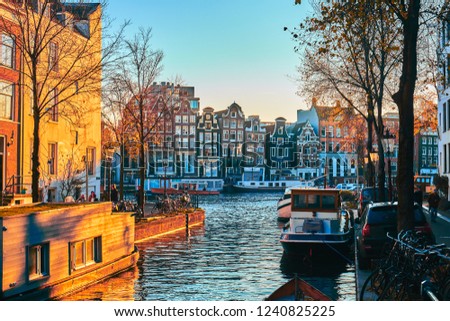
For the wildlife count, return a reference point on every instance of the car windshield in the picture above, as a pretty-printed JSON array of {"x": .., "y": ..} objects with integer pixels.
[
  {"x": 382, "y": 215},
  {"x": 388, "y": 215},
  {"x": 372, "y": 194}
]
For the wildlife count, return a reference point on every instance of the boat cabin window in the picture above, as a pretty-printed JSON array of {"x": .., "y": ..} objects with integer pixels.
[
  {"x": 328, "y": 201},
  {"x": 313, "y": 201}
]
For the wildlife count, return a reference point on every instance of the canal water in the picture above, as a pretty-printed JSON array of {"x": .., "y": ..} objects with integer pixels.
[{"x": 235, "y": 255}]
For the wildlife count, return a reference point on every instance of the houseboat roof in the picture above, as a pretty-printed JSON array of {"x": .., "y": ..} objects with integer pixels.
[{"x": 34, "y": 208}]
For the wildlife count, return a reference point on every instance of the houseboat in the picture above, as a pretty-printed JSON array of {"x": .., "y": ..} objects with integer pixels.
[
  {"x": 50, "y": 250},
  {"x": 268, "y": 186},
  {"x": 318, "y": 225},
  {"x": 192, "y": 186}
]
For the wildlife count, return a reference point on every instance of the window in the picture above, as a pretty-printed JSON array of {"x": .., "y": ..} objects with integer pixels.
[
  {"x": 233, "y": 114},
  {"x": 192, "y": 130},
  {"x": 178, "y": 119},
  {"x": 185, "y": 119},
  {"x": 323, "y": 132},
  {"x": 424, "y": 150},
  {"x": 338, "y": 132},
  {"x": 233, "y": 124},
  {"x": 192, "y": 119},
  {"x": 331, "y": 131},
  {"x": 85, "y": 252},
  {"x": 38, "y": 261},
  {"x": 6, "y": 100},
  {"x": 424, "y": 140},
  {"x": 90, "y": 152},
  {"x": 53, "y": 110},
  {"x": 226, "y": 135},
  {"x": 430, "y": 140},
  {"x": 226, "y": 123},
  {"x": 53, "y": 57},
  {"x": 7, "y": 51},
  {"x": 52, "y": 158}
]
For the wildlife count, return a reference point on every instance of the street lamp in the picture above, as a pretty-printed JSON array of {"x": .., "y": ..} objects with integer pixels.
[
  {"x": 109, "y": 155},
  {"x": 165, "y": 164},
  {"x": 386, "y": 137}
]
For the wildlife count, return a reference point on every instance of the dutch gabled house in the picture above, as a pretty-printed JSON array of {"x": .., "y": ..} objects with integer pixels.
[
  {"x": 208, "y": 144},
  {"x": 254, "y": 149},
  {"x": 280, "y": 149},
  {"x": 231, "y": 122}
]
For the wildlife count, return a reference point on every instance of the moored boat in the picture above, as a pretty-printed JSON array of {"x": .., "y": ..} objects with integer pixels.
[
  {"x": 297, "y": 289},
  {"x": 284, "y": 203},
  {"x": 318, "y": 225},
  {"x": 192, "y": 186},
  {"x": 268, "y": 186}
]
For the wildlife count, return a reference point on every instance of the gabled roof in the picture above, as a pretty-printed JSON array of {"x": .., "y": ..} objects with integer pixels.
[{"x": 80, "y": 11}]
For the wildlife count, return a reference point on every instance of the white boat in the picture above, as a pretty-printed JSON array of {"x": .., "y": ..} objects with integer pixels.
[
  {"x": 318, "y": 226},
  {"x": 268, "y": 186}
]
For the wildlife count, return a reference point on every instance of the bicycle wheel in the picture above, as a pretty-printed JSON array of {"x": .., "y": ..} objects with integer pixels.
[
  {"x": 444, "y": 291},
  {"x": 398, "y": 289},
  {"x": 374, "y": 285}
]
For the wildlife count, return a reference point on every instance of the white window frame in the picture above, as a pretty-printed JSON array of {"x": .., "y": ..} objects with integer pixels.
[
  {"x": 7, "y": 46},
  {"x": 93, "y": 244},
  {"x": 38, "y": 261},
  {"x": 6, "y": 100}
]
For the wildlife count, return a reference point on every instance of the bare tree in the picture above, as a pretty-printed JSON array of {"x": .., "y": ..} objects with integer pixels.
[
  {"x": 351, "y": 50},
  {"x": 63, "y": 57},
  {"x": 71, "y": 176},
  {"x": 136, "y": 73}
]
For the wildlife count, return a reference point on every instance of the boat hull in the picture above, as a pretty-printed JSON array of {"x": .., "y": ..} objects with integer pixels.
[
  {"x": 319, "y": 246},
  {"x": 284, "y": 210},
  {"x": 297, "y": 290}
]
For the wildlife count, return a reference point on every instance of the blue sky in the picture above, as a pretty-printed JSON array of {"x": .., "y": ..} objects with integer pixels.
[{"x": 230, "y": 50}]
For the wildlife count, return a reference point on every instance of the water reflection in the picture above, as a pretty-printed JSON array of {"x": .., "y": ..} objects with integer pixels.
[
  {"x": 235, "y": 255},
  {"x": 118, "y": 288}
]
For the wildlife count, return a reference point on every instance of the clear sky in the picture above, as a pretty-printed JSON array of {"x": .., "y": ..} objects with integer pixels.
[{"x": 229, "y": 50}]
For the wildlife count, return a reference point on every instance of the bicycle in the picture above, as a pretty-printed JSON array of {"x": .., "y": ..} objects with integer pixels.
[{"x": 411, "y": 263}]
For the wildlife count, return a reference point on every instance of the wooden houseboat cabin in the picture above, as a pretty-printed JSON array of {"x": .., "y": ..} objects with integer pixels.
[{"x": 51, "y": 251}]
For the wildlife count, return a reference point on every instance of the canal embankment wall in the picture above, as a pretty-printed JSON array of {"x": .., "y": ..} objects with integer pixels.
[{"x": 155, "y": 226}]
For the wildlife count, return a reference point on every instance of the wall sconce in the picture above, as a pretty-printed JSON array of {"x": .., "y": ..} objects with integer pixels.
[{"x": 11, "y": 139}]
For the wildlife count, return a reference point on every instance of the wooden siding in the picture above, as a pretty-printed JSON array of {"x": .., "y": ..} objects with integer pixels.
[{"x": 59, "y": 228}]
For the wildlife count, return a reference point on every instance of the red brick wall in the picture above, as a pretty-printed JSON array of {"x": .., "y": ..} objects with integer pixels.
[{"x": 145, "y": 229}]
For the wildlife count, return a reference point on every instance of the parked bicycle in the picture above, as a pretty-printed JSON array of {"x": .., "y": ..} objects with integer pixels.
[{"x": 412, "y": 269}]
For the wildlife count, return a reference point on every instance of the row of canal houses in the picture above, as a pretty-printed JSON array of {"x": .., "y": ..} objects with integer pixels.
[{"x": 226, "y": 144}]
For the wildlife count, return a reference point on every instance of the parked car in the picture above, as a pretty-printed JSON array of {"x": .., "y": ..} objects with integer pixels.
[
  {"x": 377, "y": 220},
  {"x": 370, "y": 194}
]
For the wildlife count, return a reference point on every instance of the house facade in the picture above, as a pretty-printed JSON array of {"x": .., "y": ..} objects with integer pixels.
[
  {"x": 10, "y": 116},
  {"x": 208, "y": 144}
]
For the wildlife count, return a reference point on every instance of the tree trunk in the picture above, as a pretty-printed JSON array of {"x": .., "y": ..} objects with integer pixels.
[
  {"x": 404, "y": 99},
  {"x": 122, "y": 167},
  {"x": 35, "y": 159}
]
